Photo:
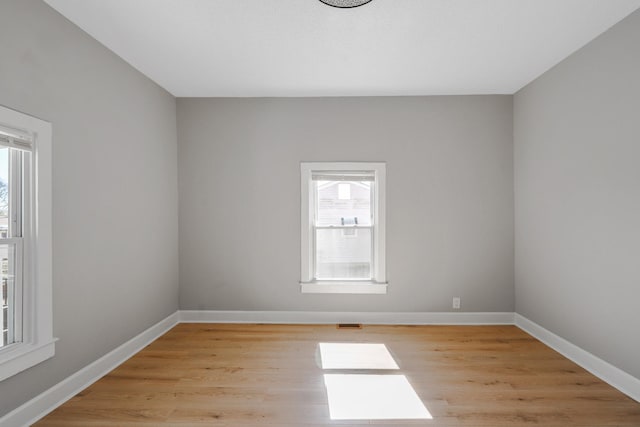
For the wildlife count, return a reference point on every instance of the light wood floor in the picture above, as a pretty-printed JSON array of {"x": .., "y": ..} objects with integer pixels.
[{"x": 269, "y": 375}]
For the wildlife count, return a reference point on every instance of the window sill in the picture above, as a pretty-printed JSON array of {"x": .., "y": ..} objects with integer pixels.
[
  {"x": 19, "y": 357},
  {"x": 345, "y": 287}
]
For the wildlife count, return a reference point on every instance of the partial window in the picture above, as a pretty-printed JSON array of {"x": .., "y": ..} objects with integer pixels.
[
  {"x": 343, "y": 227},
  {"x": 25, "y": 242}
]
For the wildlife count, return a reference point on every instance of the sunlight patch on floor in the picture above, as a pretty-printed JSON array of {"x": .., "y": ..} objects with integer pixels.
[
  {"x": 356, "y": 356},
  {"x": 373, "y": 397}
]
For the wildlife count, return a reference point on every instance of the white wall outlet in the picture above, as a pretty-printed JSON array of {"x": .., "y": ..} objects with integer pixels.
[{"x": 456, "y": 302}]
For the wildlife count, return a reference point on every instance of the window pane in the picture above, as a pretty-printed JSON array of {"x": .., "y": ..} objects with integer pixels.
[
  {"x": 7, "y": 270},
  {"x": 343, "y": 202},
  {"x": 4, "y": 192},
  {"x": 343, "y": 253}
]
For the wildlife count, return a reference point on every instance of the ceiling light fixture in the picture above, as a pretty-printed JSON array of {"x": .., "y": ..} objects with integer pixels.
[{"x": 345, "y": 4}]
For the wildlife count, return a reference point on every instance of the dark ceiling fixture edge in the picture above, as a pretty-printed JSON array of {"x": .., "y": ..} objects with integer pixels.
[{"x": 345, "y": 4}]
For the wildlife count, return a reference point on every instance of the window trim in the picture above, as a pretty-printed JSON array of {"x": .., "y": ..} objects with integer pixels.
[
  {"x": 38, "y": 343},
  {"x": 378, "y": 284}
]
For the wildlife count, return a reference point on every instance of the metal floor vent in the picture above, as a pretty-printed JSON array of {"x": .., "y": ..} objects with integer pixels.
[{"x": 349, "y": 325}]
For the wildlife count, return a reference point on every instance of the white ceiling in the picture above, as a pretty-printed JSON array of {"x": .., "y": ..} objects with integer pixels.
[{"x": 237, "y": 48}]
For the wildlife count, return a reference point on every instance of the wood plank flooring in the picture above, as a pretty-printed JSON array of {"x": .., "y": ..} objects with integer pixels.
[{"x": 269, "y": 375}]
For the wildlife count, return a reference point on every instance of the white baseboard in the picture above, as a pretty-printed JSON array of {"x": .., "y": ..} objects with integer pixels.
[
  {"x": 608, "y": 373},
  {"x": 41, "y": 405},
  {"x": 329, "y": 317}
]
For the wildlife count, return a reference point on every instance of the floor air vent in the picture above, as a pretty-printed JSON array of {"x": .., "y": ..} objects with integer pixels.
[{"x": 349, "y": 325}]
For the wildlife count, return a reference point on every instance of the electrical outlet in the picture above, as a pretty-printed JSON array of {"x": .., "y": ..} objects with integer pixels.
[{"x": 456, "y": 302}]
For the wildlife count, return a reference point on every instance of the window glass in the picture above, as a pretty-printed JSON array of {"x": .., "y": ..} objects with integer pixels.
[
  {"x": 7, "y": 281},
  {"x": 343, "y": 203},
  {"x": 343, "y": 235},
  {"x": 7, "y": 256},
  {"x": 343, "y": 253}
]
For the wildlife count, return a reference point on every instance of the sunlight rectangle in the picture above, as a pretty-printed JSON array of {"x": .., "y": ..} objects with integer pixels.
[
  {"x": 356, "y": 356},
  {"x": 373, "y": 397}
]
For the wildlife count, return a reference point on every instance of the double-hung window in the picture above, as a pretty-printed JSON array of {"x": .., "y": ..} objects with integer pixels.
[
  {"x": 342, "y": 215},
  {"x": 25, "y": 242}
]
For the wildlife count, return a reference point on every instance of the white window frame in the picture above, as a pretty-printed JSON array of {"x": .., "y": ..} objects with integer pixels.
[
  {"x": 378, "y": 283},
  {"x": 36, "y": 342}
]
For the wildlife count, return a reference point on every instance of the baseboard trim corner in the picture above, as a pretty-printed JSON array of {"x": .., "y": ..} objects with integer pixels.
[
  {"x": 608, "y": 373},
  {"x": 330, "y": 317},
  {"x": 47, "y": 401}
]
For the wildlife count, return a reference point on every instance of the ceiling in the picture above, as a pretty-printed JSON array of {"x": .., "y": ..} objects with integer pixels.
[{"x": 243, "y": 48}]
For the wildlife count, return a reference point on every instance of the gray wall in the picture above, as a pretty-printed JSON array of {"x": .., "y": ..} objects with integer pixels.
[
  {"x": 449, "y": 199},
  {"x": 577, "y": 205},
  {"x": 115, "y": 269}
]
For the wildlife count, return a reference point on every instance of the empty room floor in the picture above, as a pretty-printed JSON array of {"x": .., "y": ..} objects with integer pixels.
[{"x": 317, "y": 375}]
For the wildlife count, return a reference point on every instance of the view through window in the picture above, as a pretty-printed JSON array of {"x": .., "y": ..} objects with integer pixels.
[
  {"x": 9, "y": 242},
  {"x": 343, "y": 225}
]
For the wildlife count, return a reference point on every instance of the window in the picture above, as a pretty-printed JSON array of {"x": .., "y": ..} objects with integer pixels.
[
  {"x": 342, "y": 217},
  {"x": 25, "y": 242}
]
